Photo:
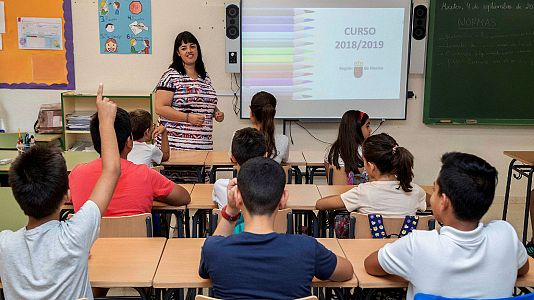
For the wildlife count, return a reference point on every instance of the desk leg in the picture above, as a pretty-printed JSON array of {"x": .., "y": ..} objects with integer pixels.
[
  {"x": 174, "y": 294},
  {"x": 179, "y": 223},
  {"x": 187, "y": 223},
  {"x": 213, "y": 174},
  {"x": 527, "y": 206},
  {"x": 507, "y": 193}
]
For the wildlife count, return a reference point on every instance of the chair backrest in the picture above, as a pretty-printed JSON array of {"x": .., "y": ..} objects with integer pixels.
[
  {"x": 127, "y": 226},
  {"x": 359, "y": 225},
  {"x": 420, "y": 296},
  {"x": 335, "y": 176},
  {"x": 202, "y": 297},
  {"x": 283, "y": 222},
  {"x": 286, "y": 168}
]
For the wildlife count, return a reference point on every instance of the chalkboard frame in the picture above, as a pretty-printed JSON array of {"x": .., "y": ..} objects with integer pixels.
[{"x": 427, "y": 118}]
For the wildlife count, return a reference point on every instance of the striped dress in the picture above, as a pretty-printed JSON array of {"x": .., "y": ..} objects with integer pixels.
[{"x": 190, "y": 96}]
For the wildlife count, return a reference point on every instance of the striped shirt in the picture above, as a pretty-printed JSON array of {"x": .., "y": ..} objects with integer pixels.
[{"x": 190, "y": 96}]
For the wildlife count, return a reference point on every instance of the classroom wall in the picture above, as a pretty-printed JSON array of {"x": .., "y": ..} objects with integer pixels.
[{"x": 138, "y": 74}]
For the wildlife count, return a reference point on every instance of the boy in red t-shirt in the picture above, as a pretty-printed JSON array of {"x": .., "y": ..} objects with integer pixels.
[{"x": 138, "y": 185}]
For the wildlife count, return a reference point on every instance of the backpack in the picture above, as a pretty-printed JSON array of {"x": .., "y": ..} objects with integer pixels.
[
  {"x": 50, "y": 119},
  {"x": 379, "y": 232}
]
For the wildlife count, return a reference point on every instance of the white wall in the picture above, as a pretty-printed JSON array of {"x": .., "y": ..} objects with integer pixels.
[{"x": 137, "y": 74}]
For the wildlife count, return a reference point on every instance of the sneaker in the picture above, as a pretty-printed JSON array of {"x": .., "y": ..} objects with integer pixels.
[{"x": 530, "y": 249}]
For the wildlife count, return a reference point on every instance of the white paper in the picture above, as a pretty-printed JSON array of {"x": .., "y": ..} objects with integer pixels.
[
  {"x": 40, "y": 33},
  {"x": 2, "y": 18}
]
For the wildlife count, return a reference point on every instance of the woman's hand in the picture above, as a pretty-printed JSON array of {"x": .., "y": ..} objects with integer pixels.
[
  {"x": 219, "y": 116},
  {"x": 195, "y": 119}
]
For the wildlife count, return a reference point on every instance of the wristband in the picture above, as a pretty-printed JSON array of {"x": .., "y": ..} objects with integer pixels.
[{"x": 228, "y": 217}]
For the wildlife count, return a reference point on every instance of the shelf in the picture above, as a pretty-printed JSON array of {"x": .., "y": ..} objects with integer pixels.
[{"x": 78, "y": 131}]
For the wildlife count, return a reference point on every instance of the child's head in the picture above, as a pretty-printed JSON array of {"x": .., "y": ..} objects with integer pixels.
[
  {"x": 468, "y": 182},
  {"x": 381, "y": 152},
  {"x": 141, "y": 122},
  {"x": 354, "y": 128},
  {"x": 262, "y": 111},
  {"x": 123, "y": 130},
  {"x": 39, "y": 181},
  {"x": 260, "y": 185},
  {"x": 246, "y": 144}
]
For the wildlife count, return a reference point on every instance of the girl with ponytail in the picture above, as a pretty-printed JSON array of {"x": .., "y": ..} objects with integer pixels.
[
  {"x": 262, "y": 111},
  {"x": 390, "y": 190}
]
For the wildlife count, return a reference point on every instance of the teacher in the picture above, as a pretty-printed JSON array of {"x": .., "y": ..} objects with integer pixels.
[{"x": 185, "y": 99}]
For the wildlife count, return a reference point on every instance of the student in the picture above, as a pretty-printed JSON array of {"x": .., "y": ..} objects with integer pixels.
[
  {"x": 259, "y": 263},
  {"x": 262, "y": 111},
  {"x": 138, "y": 185},
  {"x": 143, "y": 132},
  {"x": 346, "y": 151},
  {"x": 247, "y": 143},
  {"x": 465, "y": 258},
  {"x": 47, "y": 259},
  {"x": 390, "y": 191}
]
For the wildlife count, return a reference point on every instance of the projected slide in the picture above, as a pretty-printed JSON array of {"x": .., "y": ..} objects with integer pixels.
[
  {"x": 320, "y": 60},
  {"x": 314, "y": 54}
]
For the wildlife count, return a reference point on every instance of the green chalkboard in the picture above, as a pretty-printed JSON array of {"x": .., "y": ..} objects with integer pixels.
[{"x": 480, "y": 62}]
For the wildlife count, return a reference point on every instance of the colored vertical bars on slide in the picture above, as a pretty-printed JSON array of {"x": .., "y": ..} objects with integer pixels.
[{"x": 278, "y": 51}]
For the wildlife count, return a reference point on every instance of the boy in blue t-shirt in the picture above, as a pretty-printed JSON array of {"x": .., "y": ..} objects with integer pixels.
[{"x": 259, "y": 263}]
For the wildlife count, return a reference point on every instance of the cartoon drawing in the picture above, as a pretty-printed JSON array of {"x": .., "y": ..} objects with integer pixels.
[
  {"x": 136, "y": 7},
  {"x": 104, "y": 9},
  {"x": 137, "y": 27},
  {"x": 110, "y": 27},
  {"x": 133, "y": 42},
  {"x": 111, "y": 45},
  {"x": 117, "y": 6},
  {"x": 147, "y": 47}
]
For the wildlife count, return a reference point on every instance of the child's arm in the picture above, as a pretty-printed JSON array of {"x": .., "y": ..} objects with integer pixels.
[
  {"x": 165, "y": 149},
  {"x": 343, "y": 270},
  {"x": 329, "y": 203},
  {"x": 111, "y": 167},
  {"x": 225, "y": 227},
  {"x": 372, "y": 266},
  {"x": 177, "y": 197}
]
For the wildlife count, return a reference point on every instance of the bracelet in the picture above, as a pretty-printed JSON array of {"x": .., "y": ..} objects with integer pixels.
[{"x": 228, "y": 217}]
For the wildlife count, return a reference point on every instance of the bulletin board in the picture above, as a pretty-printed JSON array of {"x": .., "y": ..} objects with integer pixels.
[{"x": 37, "y": 69}]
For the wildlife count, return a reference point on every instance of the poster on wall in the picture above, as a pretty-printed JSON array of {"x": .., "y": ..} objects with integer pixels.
[
  {"x": 125, "y": 26},
  {"x": 40, "y": 33}
]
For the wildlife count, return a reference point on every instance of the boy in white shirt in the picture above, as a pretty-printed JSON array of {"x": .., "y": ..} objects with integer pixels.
[
  {"x": 48, "y": 259},
  {"x": 143, "y": 132},
  {"x": 465, "y": 258}
]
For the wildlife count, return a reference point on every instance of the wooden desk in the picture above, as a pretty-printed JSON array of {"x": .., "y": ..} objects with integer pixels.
[
  {"x": 333, "y": 190},
  {"x": 181, "y": 259},
  {"x": 218, "y": 158},
  {"x": 523, "y": 164},
  {"x": 356, "y": 251},
  {"x": 186, "y": 158},
  {"x": 314, "y": 158},
  {"x": 124, "y": 262},
  {"x": 7, "y": 154},
  {"x": 163, "y": 206},
  {"x": 314, "y": 162},
  {"x": 295, "y": 159},
  {"x": 8, "y": 141},
  {"x": 302, "y": 196},
  {"x": 201, "y": 197},
  {"x": 72, "y": 158}
]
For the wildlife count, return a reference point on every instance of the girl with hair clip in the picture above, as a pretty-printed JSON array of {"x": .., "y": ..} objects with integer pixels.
[
  {"x": 346, "y": 151},
  {"x": 390, "y": 191},
  {"x": 262, "y": 111}
]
